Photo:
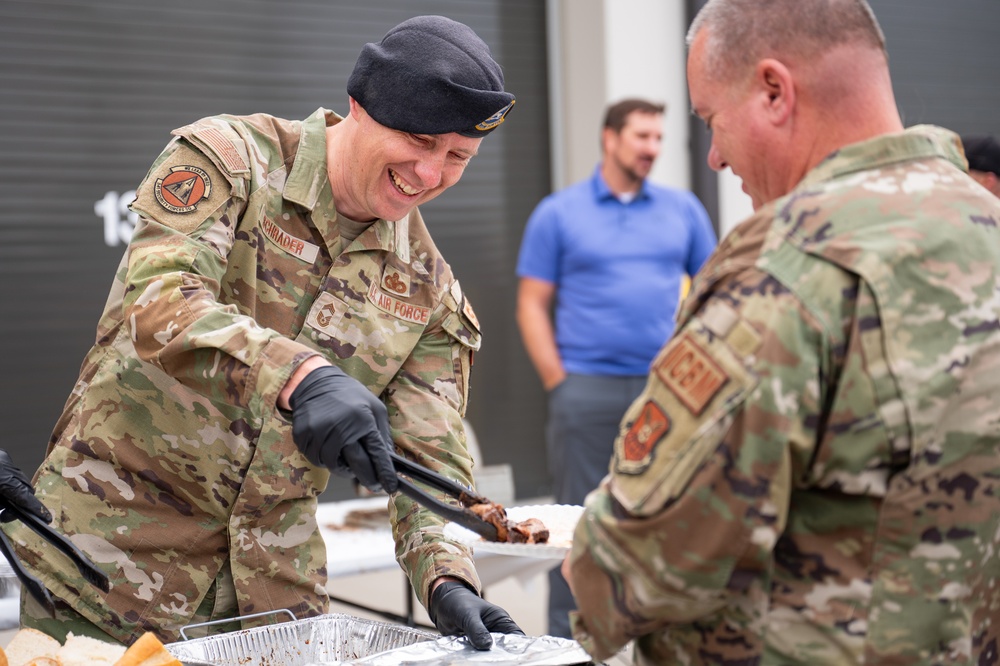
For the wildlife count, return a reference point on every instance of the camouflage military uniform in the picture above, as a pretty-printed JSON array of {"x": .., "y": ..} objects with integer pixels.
[
  {"x": 812, "y": 475},
  {"x": 171, "y": 464}
]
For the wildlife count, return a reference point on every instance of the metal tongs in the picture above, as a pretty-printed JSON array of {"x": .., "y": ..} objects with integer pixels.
[
  {"x": 87, "y": 569},
  {"x": 466, "y": 497}
]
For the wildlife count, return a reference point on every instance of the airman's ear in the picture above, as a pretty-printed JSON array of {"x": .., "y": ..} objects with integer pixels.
[
  {"x": 356, "y": 109},
  {"x": 608, "y": 135},
  {"x": 777, "y": 90}
]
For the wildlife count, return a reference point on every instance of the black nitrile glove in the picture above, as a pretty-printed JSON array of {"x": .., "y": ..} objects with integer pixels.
[
  {"x": 15, "y": 489},
  {"x": 456, "y": 610},
  {"x": 339, "y": 424}
]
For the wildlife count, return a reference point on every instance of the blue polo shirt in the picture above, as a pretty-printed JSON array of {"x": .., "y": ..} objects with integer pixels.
[{"x": 617, "y": 267}]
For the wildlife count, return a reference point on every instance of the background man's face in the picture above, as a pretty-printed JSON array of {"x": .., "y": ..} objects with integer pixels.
[{"x": 636, "y": 147}]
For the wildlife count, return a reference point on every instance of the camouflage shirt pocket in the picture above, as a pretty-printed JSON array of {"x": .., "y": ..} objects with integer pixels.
[{"x": 362, "y": 338}]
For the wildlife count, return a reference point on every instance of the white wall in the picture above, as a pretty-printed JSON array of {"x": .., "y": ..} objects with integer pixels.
[
  {"x": 734, "y": 204},
  {"x": 645, "y": 56},
  {"x": 601, "y": 51}
]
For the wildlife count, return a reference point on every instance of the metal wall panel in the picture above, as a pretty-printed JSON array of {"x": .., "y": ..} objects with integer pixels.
[
  {"x": 89, "y": 91},
  {"x": 943, "y": 61}
]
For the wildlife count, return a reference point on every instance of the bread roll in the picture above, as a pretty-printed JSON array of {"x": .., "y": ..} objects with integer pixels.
[
  {"x": 147, "y": 651},
  {"x": 87, "y": 651},
  {"x": 29, "y": 645}
]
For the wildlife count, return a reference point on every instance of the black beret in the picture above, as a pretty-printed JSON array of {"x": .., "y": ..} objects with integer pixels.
[
  {"x": 983, "y": 153},
  {"x": 431, "y": 75}
]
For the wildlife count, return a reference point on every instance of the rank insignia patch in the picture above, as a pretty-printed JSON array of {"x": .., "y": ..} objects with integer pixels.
[
  {"x": 637, "y": 445},
  {"x": 326, "y": 314},
  {"x": 396, "y": 282},
  {"x": 183, "y": 188},
  {"x": 692, "y": 375}
]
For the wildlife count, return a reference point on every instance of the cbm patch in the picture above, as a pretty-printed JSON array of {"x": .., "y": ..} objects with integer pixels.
[{"x": 691, "y": 374}]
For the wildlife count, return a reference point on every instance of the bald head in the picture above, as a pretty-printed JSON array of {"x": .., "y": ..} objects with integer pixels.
[
  {"x": 783, "y": 83},
  {"x": 742, "y": 32}
]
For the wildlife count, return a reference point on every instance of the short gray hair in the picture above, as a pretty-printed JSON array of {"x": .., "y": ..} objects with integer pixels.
[{"x": 742, "y": 32}]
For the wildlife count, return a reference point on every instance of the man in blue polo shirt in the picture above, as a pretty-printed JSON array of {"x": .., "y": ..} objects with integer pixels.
[{"x": 611, "y": 252}]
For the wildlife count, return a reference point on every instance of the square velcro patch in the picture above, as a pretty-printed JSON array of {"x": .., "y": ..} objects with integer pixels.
[{"x": 691, "y": 374}]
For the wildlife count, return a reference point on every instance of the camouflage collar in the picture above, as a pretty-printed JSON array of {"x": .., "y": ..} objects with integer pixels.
[
  {"x": 387, "y": 236},
  {"x": 308, "y": 178},
  {"x": 918, "y": 142},
  {"x": 308, "y": 182}
]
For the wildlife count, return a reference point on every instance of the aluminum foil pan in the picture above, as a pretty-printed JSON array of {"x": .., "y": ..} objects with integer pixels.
[
  {"x": 325, "y": 639},
  {"x": 507, "y": 649},
  {"x": 10, "y": 596}
]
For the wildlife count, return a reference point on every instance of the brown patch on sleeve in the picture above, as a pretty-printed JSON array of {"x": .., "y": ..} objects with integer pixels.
[
  {"x": 697, "y": 383},
  {"x": 637, "y": 445},
  {"x": 691, "y": 374}
]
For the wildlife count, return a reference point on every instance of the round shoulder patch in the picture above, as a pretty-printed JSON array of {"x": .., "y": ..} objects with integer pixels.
[{"x": 183, "y": 188}]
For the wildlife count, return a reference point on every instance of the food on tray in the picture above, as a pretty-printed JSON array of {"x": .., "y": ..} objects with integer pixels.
[
  {"x": 559, "y": 520},
  {"x": 531, "y": 530},
  {"x": 493, "y": 514},
  {"x": 30, "y": 647},
  {"x": 368, "y": 518}
]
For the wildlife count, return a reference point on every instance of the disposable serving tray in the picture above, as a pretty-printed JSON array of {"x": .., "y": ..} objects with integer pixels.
[{"x": 327, "y": 638}]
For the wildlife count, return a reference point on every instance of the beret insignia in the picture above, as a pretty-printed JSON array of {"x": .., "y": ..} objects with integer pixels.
[{"x": 495, "y": 119}]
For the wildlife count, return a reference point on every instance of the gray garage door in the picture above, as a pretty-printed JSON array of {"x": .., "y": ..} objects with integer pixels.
[{"x": 89, "y": 91}]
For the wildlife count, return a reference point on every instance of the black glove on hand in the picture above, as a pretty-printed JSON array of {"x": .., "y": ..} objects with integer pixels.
[
  {"x": 456, "y": 610},
  {"x": 15, "y": 488},
  {"x": 339, "y": 424}
]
